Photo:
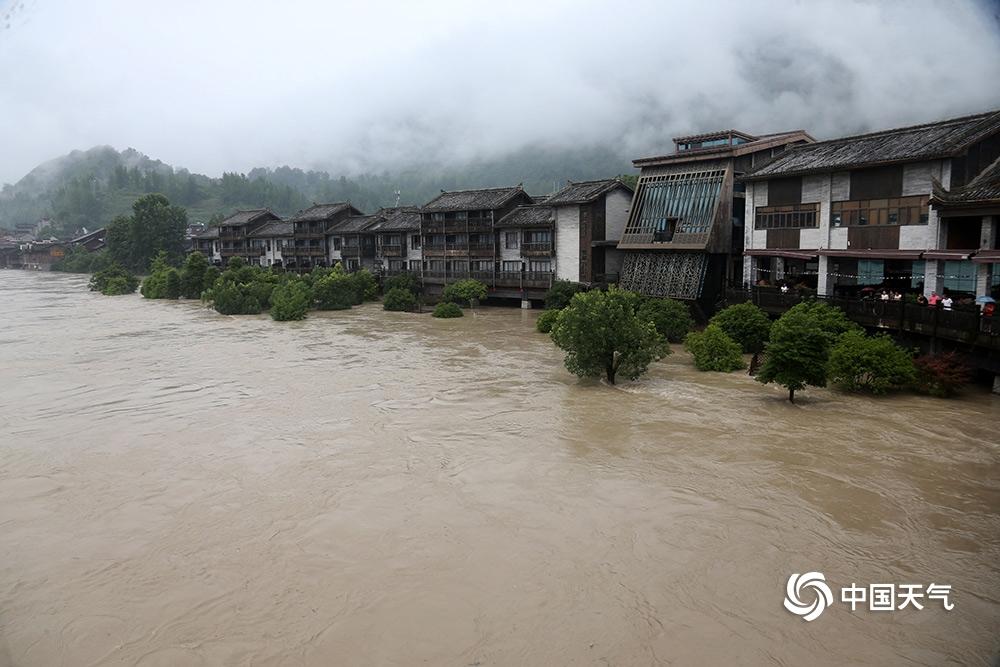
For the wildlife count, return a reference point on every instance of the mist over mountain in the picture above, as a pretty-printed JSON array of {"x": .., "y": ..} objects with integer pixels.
[{"x": 86, "y": 189}]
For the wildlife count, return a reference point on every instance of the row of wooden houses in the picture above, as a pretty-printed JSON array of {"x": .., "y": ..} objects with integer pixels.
[
  {"x": 909, "y": 209},
  {"x": 515, "y": 243}
]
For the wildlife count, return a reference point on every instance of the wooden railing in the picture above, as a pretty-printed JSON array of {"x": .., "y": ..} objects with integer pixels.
[{"x": 962, "y": 323}]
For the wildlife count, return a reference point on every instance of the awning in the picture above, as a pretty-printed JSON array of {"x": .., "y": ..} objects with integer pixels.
[
  {"x": 987, "y": 257},
  {"x": 789, "y": 253},
  {"x": 889, "y": 253},
  {"x": 948, "y": 255}
]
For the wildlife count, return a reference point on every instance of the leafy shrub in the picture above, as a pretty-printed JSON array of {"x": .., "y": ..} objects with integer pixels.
[
  {"x": 211, "y": 275},
  {"x": 561, "y": 293},
  {"x": 290, "y": 301},
  {"x": 154, "y": 286},
  {"x": 80, "y": 260},
  {"x": 746, "y": 324},
  {"x": 334, "y": 291},
  {"x": 365, "y": 286},
  {"x": 873, "y": 364},
  {"x": 671, "y": 318},
  {"x": 941, "y": 375},
  {"x": 714, "y": 350},
  {"x": 830, "y": 319},
  {"x": 447, "y": 309},
  {"x": 399, "y": 299},
  {"x": 172, "y": 284},
  {"x": 193, "y": 275},
  {"x": 602, "y": 335},
  {"x": 464, "y": 292},
  {"x": 113, "y": 281},
  {"x": 231, "y": 299},
  {"x": 546, "y": 320},
  {"x": 407, "y": 281}
]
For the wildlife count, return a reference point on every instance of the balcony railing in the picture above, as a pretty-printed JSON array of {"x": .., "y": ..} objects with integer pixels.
[
  {"x": 391, "y": 250},
  {"x": 965, "y": 324},
  {"x": 543, "y": 248}
]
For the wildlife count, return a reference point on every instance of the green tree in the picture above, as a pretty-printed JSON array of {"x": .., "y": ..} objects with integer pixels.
[
  {"x": 365, "y": 286},
  {"x": 406, "y": 280},
  {"x": 290, "y": 301},
  {"x": 830, "y": 319},
  {"x": 464, "y": 292},
  {"x": 561, "y": 293},
  {"x": 172, "y": 284},
  {"x": 797, "y": 352},
  {"x": 193, "y": 275},
  {"x": 601, "y": 334},
  {"x": 546, "y": 321},
  {"x": 334, "y": 291},
  {"x": 399, "y": 299},
  {"x": 746, "y": 324},
  {"x": 670, "y": 317},
  {"x": 447, "y": 309},
  {"x": 113, "y": 281},
  {"x": 713, "y": 350},
  {"x": 873, "y": 364},
  {"x": 154, "y": 226},
  {"x": 211, "y": 275}
]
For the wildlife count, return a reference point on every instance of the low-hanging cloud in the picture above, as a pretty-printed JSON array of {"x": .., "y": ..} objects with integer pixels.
[{"x": 229, "y": 85}]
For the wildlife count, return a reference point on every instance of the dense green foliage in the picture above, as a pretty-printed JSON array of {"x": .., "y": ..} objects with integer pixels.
[
  {"x": 464, "y": 292},
  {"x": 290, "y": 301},
  {"x": 193, "y": 275},
  {"x": 399, "y": 299},
  {"x": 365, "y": 286},
  {"x": 407, "y": 281},
  {"x": 714, "y": 350},
  {"x": 746, "y": 324},
  {"x": 601, "y": 334},
  {"x": 670, "y": 317},
  {"x": 873, "y": 364},
  {"x": 155, "y": 286},
  {"x": 212, "y": 274},
  {"x": 830, "y": 319},
  {"x": 79, "y": 260},
  {"x": 154, "y": 226},
  {"x": 546, "y": 320},
  {"x": 561, "y": 293},
  {"x": 943, "y": 375},
  {"x": 113, "y": 281},
  {"x": 798, "y": 350},
  {"x": 334, "y": 290},
  {"x": 447, "y": 309}
]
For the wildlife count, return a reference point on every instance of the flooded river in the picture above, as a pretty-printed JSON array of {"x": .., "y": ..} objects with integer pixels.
[{"x": 182, "y": 488}]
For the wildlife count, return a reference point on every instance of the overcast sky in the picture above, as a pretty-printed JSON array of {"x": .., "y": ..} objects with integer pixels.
[{"x": 219, "y": 85}]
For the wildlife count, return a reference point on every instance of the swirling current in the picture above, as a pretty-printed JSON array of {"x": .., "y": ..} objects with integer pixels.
[{"x": 179, "y": 487}]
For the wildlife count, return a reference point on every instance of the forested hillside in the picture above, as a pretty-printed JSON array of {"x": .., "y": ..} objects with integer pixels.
[{"x": 89, "y": 188}]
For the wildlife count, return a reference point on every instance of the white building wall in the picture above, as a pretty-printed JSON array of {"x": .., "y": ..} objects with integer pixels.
[
  {"x": 567, "y": 239},
  {"x": 840, "y": 186},
  {"x": 616, "y": 207}
]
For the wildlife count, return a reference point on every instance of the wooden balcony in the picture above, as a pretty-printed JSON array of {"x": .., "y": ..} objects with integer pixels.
[
  {"x": 386, "y": 250},
  {"x": 306, "y": 251},
  {"x": 456, "y": 226},
  {"x": 543, "y": 249},
  {"x": 525, "y": 279}
]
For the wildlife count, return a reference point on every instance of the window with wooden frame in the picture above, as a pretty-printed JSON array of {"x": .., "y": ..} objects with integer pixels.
[
  {"x": 800, "y": 216},
  {"x": 892, "y": 211}
]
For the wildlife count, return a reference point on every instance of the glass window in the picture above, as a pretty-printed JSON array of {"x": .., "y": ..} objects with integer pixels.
[
  {"x": 539, "y": 265},
  {"x": 870, "y": 271},
  {"x": 511, "y": 240},
  {"x": 512, "y": 267},
  {"x": 415, "y": 241},
  {"x": 960, "y": 276}
]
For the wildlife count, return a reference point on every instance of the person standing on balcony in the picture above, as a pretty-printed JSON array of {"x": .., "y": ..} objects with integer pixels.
[
  {"x": 934, "y": 300},
  {"x": 947, "y": 303}
]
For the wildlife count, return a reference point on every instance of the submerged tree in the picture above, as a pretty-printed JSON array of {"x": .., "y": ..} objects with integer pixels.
[
  {"x": 714, "y": 350},
  {"x": 873, "y": 364},
  {"x": 602, "y": 334},
  {"x": 797, "y": 353}
]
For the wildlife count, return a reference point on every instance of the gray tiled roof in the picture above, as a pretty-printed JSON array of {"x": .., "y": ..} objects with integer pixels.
[
  {"x": 353, "y": 224},
  {"x": 983, "y": 189},
  {"x": 528, "y": 216},
  {"x": 252, "y": 215},
  {"x": 210, "y": 233},
  {"x": 920, "y": 142},
  {"x": 273, "y": 229},
  {"x": 318, "y": 212},
  {"x": 472, "y": 200},
  {"x": 399, "y": 219},
  {"x": 584, "y": 192}
]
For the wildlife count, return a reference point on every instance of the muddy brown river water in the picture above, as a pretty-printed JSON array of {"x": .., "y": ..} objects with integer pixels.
[{"x": 368, "y": 488}]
